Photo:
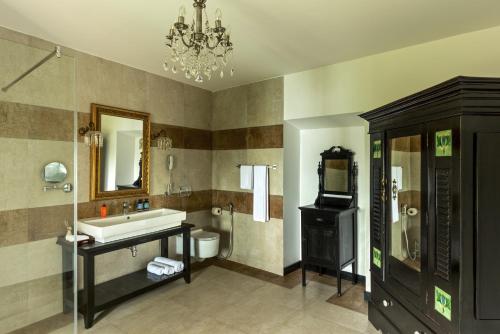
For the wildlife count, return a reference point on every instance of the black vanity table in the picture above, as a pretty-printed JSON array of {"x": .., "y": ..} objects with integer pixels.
[
  {"x": 95, "y": 298},
  {"x": 329, "y": 226}
]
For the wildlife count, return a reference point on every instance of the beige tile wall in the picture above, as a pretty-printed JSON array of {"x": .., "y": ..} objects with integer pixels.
[
  {"x": 30, "y": 276},
  {"x": 76, "y": 81},
  {"x": 256, "y": 244}
]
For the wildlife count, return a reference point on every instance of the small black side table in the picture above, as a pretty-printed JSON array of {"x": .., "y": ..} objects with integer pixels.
[{"x": 329, "y": 240}]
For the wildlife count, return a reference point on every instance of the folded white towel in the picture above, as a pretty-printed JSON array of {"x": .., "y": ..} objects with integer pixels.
[
  {"x": 155, "y": 269},
  {"x": 177, "y": 265},
  {"x": 246, "y": 177},
  {"x": 167, "y": 270},
  {"x": 260, "y": 194}
]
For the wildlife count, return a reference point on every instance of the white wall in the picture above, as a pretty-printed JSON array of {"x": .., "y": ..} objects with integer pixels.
[
  {"x": 291, "y": 187},
  {"x": 312, "y": 143},
  {"x": 366, "y": 83}
]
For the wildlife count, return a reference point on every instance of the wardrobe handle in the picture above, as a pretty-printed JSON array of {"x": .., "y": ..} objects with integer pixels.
[
  {"x": 387, "y": 303},
  {"x": 382, "y": 188},
  {"x": 319, "y": 219}
]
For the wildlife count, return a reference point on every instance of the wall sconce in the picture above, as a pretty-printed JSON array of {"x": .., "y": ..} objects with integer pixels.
[
  {"x": 162, "y": 141},
  {"x": 92, "y": 137}
]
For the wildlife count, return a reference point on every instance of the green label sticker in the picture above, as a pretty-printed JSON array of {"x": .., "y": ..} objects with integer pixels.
[
  {"x": 443, "y": 143},
  {"x": 442, "y": 303},
  {"x": 377, "y": 257},
  {"x": 377, "y": 149}
]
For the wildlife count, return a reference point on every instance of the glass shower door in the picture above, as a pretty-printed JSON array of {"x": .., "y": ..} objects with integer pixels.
[{"x": 37, "y": 116}]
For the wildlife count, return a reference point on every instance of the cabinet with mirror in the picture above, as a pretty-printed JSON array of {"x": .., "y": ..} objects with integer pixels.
[
  {"x": 433, "y": 210},
  {"x": 329, "y": 226},
  {"x": 120, "y": 165}
]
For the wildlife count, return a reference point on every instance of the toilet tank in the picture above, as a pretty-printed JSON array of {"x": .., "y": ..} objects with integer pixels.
[{"x": 203, "y": 244}]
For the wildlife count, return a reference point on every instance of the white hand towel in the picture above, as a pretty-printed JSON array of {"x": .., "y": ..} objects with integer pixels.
[
  {"x": 155, "y": 269},
  {"x": 260, "y": 194},
  {"x": 396, "y": 174},
  {"x": 177, "y": 265},
  {"x": 246, "y": 177}
]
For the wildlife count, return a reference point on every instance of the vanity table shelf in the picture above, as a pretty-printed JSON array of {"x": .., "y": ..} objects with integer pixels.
[{"x": 95, "y": 298}]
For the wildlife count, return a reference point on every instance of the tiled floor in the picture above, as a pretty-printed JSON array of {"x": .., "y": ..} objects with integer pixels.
[{"x": 220, "y": 300}]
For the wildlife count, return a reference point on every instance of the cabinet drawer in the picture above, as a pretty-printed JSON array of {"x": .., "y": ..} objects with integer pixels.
[
  {"x": 320, "y": 217},
  {"x": 401, "y": 318}
]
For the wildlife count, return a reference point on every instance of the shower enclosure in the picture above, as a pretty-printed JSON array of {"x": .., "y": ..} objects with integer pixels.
[{"x": 37, "y": 128}]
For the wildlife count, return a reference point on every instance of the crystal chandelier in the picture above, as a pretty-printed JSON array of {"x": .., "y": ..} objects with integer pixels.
[{"x": 199, "y": 51}]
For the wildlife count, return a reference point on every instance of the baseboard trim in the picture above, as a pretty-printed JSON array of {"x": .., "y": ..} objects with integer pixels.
[
  {"x": 291, "y": 268},
  {"x": 344, "y": 275}
]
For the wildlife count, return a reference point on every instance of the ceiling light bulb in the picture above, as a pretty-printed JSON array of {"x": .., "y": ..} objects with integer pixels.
[
  {"x": 165, "y": 66},
  {"x": 232, "y": 71},
  {"x": 218, "y": 14},
  {"x": 182, "y": 11},
  {"x": 199, "y": 78},
  {"x": 174, "y": 69}
]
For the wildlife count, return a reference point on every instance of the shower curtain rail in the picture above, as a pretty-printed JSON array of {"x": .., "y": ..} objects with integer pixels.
[{"x": 56, "y": 52}]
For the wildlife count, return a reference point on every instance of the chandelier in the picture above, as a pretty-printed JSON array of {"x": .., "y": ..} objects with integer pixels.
[{"x": 198, "y": 50}]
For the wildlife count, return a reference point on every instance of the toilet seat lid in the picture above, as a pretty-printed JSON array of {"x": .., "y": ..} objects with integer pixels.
[{"x": 206, "y": 236}]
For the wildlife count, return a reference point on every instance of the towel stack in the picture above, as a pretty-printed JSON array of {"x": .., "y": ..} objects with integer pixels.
[{"x": 164, "y": 266}]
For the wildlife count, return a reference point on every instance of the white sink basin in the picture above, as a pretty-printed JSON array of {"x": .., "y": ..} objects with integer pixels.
[{"x": 118, "y": 227}]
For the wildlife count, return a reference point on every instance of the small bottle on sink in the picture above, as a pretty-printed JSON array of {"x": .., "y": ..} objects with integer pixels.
[
  {"x": 139, "y": 206},
  {"x": 104, "y": 211}
]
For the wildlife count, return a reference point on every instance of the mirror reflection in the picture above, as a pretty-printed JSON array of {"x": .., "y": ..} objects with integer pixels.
[
  {"x": 54, "y": 172},
  {"x": 336, "y": 176},
  {"x": 121, "y": 154},
  {"x": 405, "y": 200}
]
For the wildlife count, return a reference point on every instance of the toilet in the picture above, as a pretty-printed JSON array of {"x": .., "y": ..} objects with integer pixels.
[{"x": 204, "y": 244}]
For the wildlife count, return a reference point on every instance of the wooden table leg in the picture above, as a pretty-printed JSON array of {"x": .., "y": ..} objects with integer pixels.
[
  {"x": 164, "y": 247},
  {"x": 186, "y": 254},
  {"x": 89, "y": 289},
  {"x": 303, "y": 267},
  {"x": 354, "y": 273},
  {"x": 339, "y": 282}
]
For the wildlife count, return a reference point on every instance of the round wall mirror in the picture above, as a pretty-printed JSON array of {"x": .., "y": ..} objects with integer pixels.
[{"x": 54, "y": 172}]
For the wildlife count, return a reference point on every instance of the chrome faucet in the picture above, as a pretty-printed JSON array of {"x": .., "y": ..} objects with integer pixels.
[{"x": 126, "y": 207}]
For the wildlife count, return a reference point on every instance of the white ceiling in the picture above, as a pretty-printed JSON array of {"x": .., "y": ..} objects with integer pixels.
[{"x": 271, "y": 37}]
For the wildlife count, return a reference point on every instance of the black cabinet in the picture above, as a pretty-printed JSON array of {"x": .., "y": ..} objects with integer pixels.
[
  {"x": 328, "y": 240},
  {"x": 434, "y": 211}
]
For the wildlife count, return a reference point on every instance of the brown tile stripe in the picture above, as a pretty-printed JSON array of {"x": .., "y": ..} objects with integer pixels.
[
  {"x": 243, "y": 202},
  {"x": 25, "y": 121},
  {"x": 248, "y": 138},
  {"x": 34, "y": 122},
  {"x": 25, "y": 225},
  {"x": 187, "y": 138}
]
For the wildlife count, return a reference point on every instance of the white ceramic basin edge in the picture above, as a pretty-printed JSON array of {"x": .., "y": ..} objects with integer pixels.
[{"x": 118, "y": 227}]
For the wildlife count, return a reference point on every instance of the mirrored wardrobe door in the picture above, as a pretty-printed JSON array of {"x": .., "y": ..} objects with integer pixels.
[{"x": 405, "y": 219}]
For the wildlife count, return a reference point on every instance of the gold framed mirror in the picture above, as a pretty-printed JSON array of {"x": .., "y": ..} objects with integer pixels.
[{"x": 120, "y": 167}]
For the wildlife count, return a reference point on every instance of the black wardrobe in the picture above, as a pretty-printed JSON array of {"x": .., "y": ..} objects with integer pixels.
[{"x": 435, "y": 210}]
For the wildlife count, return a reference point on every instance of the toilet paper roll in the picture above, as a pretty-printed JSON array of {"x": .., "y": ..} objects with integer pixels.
[
  {"x": 217, "y": 211},
  {"x": 412, "y": 211}
]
